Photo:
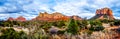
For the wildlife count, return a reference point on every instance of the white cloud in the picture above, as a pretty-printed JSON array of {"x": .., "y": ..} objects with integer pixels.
[
  {"x": 117, "y": 17},
  {"x": 4, "y": 16},
  {"x": 71, "y": 8},
  {"x": 2, "y": 9},
  {"x": 88, "y": 15}
]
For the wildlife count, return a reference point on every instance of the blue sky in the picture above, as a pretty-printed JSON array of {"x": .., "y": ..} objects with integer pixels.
[{"x": 31, "y": 8}]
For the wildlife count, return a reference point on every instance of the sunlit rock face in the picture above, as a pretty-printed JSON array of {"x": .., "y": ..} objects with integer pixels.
[
  {"x": 20, "y": 18},
  {"x": 54, "y": 17},
  {"x": 104, "y": 13}
]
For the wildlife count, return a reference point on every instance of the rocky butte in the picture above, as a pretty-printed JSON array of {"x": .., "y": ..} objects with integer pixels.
[
  {"x": 56, "y": 16},
  {"x": 20, "y": 18},
  {"x": 104, "y": 13}
]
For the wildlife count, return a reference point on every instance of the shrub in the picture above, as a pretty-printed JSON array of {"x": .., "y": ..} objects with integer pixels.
[
  {"x": 82, "y": 24},
  {"x": 12, "y": 34},
  {"x": 117, "y": 22},
  {"x": 89, "y": 32},
  {"x": 95, "y": 23},
  {"x": 97, "y": 28},
  {"x": 61, "y": 32}
]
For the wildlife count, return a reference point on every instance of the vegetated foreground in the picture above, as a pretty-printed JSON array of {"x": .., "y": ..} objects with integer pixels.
[{"x": 72, "y": 29}]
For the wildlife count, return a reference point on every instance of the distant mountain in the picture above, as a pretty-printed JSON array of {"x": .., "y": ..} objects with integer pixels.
[
  {"x": 54, "y": 17},
  {"x": 10, "y": 19},
  {"x": 20, "y": 18},
  {"x": 104, "y": 13}
]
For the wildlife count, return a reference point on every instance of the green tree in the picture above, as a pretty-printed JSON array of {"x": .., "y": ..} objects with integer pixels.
[{"x": 72, "y": 27}]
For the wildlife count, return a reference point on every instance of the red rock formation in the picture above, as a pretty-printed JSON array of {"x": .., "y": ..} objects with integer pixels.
[
  {"x": 20, "y": 18},
  {"x": 104, "y": 13},
  {"x": 53, "y": 17},
  {"x": 10, "y": 19}
]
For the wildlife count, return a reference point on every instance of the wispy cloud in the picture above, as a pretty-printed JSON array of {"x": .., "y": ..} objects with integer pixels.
[{"x": 31, "y": 8}]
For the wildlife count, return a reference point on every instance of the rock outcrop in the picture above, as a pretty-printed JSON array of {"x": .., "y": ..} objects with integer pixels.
[
  {"x": 76, "y": 17},
  {"x": 104, "y": 13},
  {"x": 54, "y": 17}
]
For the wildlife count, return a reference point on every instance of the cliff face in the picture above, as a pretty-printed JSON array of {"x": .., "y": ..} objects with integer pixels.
[
  {"x": 104, "y": 13},
  {"x": 53, "y": 17},
  {"x": 20, "y": 18}
]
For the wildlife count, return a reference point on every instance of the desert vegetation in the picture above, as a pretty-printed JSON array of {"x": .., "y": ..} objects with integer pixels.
[{"x": 71, "y": 29}]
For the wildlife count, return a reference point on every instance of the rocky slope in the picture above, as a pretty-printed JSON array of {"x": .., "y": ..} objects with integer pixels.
[{"x": 104, "y": 13}]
